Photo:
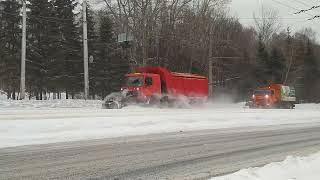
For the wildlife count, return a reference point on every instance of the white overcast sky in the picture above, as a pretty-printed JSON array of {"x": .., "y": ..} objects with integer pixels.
[{"x": 244, "y": 9}]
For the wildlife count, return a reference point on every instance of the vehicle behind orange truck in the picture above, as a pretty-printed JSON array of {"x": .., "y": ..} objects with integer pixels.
[{"x": 273, "y": 96}]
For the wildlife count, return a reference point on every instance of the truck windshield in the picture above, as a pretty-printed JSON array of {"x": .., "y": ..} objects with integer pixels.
[
  {"x": 135, "y": 81},
  {"x": 262, "y": 92}
]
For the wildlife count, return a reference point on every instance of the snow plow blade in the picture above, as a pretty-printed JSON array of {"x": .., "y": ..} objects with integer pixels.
[
  {"x": 111, "y": 105},
  {"x": 114, "y": 101}
]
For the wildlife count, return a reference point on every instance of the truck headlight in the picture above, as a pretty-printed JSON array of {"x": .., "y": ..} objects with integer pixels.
[{"x": 267, "y": 96}]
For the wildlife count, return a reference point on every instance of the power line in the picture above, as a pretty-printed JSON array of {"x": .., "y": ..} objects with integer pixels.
[
  {"x": 296, "y": 9},
  {"x": 302, "y": 2},
  {"x": 315, "y": 17},
  {"x": 42, "y": 17},
  {"x": 301, "y": 11},
  {"x": 286, "y": 5},
  {"x": 52, "y": 18},
  {"x": 284, "y": 18},
  {"x": 306, "y": 10},
  {"x": 298, "y": 22}
]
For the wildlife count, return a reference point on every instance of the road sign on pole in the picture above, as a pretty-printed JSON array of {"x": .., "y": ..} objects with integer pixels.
[{"x": 125, "y": 37}]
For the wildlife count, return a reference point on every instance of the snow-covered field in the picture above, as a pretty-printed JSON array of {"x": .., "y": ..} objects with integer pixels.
[
  {"x": 41, "y": 122},
  {"x": 293, "y": 168}
]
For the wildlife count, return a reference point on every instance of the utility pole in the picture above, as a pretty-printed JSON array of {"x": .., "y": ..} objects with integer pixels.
[
  {"x": 210, "y": 74},
  {"x": 85, "y": 50},
  {"x": 290, "y": 53},
  {"x": 289, "y": 66},
  {"x": 23, "y": 51}
]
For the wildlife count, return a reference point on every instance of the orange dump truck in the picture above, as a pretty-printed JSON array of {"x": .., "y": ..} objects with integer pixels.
[
  {"x": 273, "y": 96},
  {"x": 158, "y": 85}
]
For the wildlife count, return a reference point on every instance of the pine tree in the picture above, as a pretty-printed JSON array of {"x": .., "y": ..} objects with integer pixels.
[
  {"x": 276, "y": 66},
  {"x": 40, "y": 46},
  {"x": 262, "y": 70},
  {"x": 104, "y": 55},
  {"x": 69, "y": 63},
  {"x": 2, "y": 47},
  {"x": 311, "y": 75},
  {"x": 10, "y": 46},
  {"x": 110, "y": 65}
]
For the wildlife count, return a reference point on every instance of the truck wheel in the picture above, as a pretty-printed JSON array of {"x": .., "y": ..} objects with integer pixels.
[
  {"x": 113, "y": 105},
  {"x": 288, "y": 106},
  {"x": 292, "y": 106},
  {"x": 278, "y": 106},
  {"x": 164, "y": 102},
  {"x": 153, "y": 100}
]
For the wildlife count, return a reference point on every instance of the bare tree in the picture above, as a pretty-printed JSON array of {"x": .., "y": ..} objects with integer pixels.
[
  {"x": 156, "y": 22},
  {"x": 267, "y": 24},
  {"x": 137, "y": 17}
]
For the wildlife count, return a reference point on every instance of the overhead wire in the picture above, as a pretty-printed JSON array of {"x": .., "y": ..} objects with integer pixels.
[
  {"x": 315, "y": 17},
  {"x": 302, "y": 2},
  {"x": 288, "y": 6},
  {"x": 309, "y": 9},
  {"x": 284, "y": 18},
  {"x": 45, "y": 18},
  {"x": 306, "y": 10},
  {"x": 302, "y": 20},
  {"x": 312, "y": 16}
]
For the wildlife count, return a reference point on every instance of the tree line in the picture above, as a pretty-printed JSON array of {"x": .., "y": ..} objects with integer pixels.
[
  {"x": 54, "y": 50},
  {"x": 183, "y": 35}
]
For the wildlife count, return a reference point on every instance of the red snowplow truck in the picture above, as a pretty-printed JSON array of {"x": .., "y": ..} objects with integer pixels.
[
  {"x": 157, "y": 85},
  {"x": 273, "y": 96}
]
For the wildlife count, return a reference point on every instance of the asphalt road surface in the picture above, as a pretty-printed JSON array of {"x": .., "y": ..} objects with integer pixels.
[{"x": 181, "y": 155}]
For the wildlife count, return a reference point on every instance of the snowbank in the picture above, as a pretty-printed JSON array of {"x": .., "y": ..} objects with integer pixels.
[
  {"x": 293, "y": 168},
  {"x": 32, "y": 104},
  {"x": 3, "y": 96},
  {"x": 41, "y": 122}
]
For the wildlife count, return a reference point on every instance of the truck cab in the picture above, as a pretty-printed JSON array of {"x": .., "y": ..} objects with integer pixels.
[
  {"x": 141, "y": 87},
  {"x": 264, "y": 97}
]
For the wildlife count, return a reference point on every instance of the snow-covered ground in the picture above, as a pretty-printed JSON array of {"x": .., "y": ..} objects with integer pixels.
[
  {"x": 7, "y": 105},
  {"x": 41, "y": 122},
  {"x": 293, "y": 168}
]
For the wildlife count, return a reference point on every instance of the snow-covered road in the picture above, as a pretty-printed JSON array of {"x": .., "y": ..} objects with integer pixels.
[
  {"x": 42, "y": 122},
  {"x": 182, "y": 155}
]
